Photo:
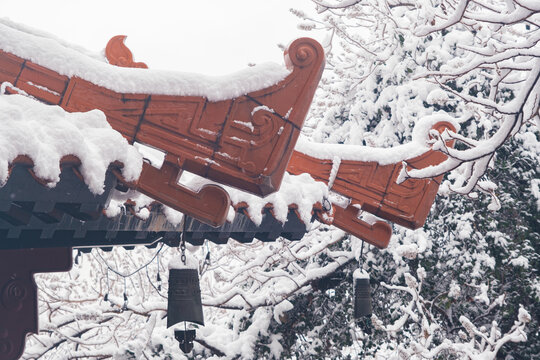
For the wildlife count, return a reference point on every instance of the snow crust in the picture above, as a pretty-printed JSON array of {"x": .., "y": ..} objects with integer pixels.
[
  {"x": 61, "y": 57},
  {"x": 153, "y": 155},
  {"x": 46, "y": 133},
  {"x": 420, "y": 144},
  {"x": 142, "y": 206},
  {"x": 177, "y": 263}
]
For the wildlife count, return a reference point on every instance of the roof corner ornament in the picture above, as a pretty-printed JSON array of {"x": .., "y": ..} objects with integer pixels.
[
  {"x": 118, "y": 53},
  {"x": 373, "y": 188}
]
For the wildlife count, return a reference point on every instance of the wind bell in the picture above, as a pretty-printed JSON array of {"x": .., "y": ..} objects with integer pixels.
[
  {"x": 362, "y": 289},
  {"x": 184, "y": 302},
  {"x": 362, "y": 294}
]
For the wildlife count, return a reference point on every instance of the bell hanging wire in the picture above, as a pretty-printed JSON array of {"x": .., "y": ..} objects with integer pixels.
[
  {"x": 207, "y": 260},
  {"x": 158, "y": 279},
  {"x": 124, "y": 306}
]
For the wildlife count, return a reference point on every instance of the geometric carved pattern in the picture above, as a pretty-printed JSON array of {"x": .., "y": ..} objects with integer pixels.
[{"x": 244, "y": 142}]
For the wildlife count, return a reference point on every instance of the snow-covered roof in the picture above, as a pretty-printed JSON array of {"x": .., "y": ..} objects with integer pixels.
[
  {"x": 50, "y": 133},
  {"x": 46, "y": 134},
  {"x": 68, "y": 60}
]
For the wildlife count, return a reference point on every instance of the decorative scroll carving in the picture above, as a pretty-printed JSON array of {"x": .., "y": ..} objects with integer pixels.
[
  {"x": 18, "y": 293},
  {"x": 373, "y": 188},
  {"x": 210, "y": 204},
  {"x": 246, "y": 140},
  {"x": 303, "y": 53}
]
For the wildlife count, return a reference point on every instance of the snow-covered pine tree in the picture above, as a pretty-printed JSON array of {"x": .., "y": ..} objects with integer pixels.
[{"x": 380, "y": 55}]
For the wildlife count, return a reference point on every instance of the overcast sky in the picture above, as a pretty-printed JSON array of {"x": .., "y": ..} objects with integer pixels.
[{"x": 205, "y": 36}]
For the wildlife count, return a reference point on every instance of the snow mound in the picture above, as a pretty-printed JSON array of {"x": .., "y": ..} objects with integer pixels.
[
  {"x": 301, "y": 190},
  {"x": 384, "y": 156},
  {"x": 46, "y": 133}
]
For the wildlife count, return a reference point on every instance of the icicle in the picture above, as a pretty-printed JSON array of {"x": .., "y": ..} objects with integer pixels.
[{"x": 336, "y": 162}]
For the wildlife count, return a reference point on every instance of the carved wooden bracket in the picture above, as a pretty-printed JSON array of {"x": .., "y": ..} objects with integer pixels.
[
  {"x": 372, "y": 187},
  {"x": 18, "y": 293},
  {"x": 378, "y": 233},
  {"x": 209, "y": 205}
]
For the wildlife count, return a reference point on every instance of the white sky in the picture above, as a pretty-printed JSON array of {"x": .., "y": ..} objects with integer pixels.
[{"x": 213, "y": 37}]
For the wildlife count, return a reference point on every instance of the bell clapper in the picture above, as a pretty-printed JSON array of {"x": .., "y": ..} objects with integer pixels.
[{"x": 185, "y": 339}]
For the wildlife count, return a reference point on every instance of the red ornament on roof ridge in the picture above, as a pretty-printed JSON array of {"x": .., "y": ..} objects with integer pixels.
[{"x": 118, "y": 53}]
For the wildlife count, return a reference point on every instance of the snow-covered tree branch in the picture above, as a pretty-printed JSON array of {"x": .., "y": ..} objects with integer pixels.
[
  {"x": 479, "y": 60},
  {"x": 474, "y": 343}
]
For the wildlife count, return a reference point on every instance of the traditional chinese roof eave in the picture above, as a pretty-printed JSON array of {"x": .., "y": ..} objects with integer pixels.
[
  {"x": 241, "y": 138},
  {"x": 243, "y": 141}
]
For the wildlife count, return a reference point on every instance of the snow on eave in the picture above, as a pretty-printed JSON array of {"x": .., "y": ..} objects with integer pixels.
[
  {"x": 47, "y": 133},
  {"x": 300, "y": 192},
  {"x": 58, "y": 56},
  {"x": 384, "y": 156}
]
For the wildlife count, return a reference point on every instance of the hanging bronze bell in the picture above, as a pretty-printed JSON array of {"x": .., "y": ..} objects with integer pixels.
[
  {"x": 362, "y": 297},
  {"x": 184, "y": 302}
]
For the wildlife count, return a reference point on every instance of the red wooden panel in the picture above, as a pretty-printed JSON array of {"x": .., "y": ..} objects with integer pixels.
[{"x": 373, "y": 188}]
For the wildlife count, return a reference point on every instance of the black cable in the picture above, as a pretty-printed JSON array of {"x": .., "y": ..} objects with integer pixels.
[
  {"x": 151, "y": 283},
  {"x": 132, "y": 273}
]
